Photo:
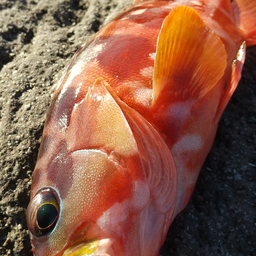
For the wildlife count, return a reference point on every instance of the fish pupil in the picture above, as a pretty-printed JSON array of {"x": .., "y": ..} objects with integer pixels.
[{"x": 46, "y": 216}]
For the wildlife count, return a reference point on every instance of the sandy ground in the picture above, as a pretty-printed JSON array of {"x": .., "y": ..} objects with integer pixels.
[{"x": 36, "y": 40}]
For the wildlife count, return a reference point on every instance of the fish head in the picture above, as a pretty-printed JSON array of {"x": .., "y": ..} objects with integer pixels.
[{"x": 89, "y": 187}]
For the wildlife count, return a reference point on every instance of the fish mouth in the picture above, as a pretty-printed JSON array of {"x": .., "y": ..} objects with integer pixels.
[{"x": 95, "y": 248}]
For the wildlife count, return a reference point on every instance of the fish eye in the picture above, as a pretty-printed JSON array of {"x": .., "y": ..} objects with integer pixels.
[{"x": 43, "y": 212}]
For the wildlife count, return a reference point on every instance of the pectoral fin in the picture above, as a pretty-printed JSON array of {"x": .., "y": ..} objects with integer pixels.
[{"x": 190, "y": 58}]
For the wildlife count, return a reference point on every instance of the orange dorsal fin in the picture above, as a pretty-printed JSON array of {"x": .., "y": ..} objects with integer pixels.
[
  {"x": 246, "y": 16},
  {"x": 190, "y": 58}
]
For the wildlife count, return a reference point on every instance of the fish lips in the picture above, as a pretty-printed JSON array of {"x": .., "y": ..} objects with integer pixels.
[{"x": 101, "y": 247}]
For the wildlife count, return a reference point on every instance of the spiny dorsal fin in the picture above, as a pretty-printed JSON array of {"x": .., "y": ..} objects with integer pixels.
[
  {"x": 190, "y": 58},
  {"x": 247, "y": 19}
]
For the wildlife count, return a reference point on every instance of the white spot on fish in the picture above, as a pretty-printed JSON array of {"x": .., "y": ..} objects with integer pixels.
[
  {"x": 96, "y": 97},
  {"x": 141, "y": 195},
  {"x": 76, "y": 70},
  {"x": 63, "y": 122},
  {"x": 143, "y": 95},
  {"x": 152, "y": 56},
  {"x": 85, "y": 57},
  {"x": 138, "y": 12},
  {"x": 140, "y": 92},
  {"x": 147, "y": 72},
  {"x": 196, "y": 2},
  {"x": 111, "y": 219},
  {"x": 125, "y": 18},
  {"x": 133, "y": 84},
  {"x": 178, "y": 112},
  {"x": 190, "y": 142},
  {"x": 91, "y": 52}
]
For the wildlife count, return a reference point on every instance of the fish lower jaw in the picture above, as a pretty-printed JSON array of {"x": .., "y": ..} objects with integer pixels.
[{"x": 95, "y": 248}]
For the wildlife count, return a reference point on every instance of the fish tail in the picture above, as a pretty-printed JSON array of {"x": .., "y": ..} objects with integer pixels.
[{"x": 245, "y": 12}]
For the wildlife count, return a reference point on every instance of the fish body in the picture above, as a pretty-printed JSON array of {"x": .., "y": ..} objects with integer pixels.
[{"x": 131, "y": 123}]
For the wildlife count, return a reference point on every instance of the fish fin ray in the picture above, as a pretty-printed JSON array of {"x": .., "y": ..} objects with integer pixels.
[
  {"x": 190, "y": 58},
  {"x": 245, "y": 11},
  {"x": 237, "y": 67}
]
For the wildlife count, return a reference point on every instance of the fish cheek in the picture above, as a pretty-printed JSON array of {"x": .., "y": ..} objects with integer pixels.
[{"x": 97, "y": 183}]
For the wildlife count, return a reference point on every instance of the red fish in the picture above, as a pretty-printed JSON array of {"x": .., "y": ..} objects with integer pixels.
[{"x": 131, "y": 124}]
